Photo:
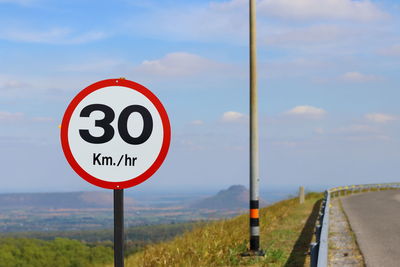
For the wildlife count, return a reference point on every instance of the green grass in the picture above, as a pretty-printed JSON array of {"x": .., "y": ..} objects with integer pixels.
[
  {"x": 18, "y": 252},
  {"x": 286, "y": 231}
]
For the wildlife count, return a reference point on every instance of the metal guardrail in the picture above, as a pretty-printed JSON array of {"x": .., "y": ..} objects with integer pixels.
[{"x": 319, "y": 249}]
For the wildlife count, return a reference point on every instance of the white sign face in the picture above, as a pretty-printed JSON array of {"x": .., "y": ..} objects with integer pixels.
[{"x": 116, "y": 134}]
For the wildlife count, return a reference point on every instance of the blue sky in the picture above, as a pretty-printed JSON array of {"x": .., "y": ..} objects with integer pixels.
[{"x": 328, "y": 83}]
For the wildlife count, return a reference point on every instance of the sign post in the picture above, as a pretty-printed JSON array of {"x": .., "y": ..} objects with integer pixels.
[
  {"x": 115, "y": 134},
  {"x": 119, "y": 227}
]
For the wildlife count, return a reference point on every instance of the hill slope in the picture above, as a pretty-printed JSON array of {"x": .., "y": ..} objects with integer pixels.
[
  {"x": 69, "y": 200},
  {"x": 286, "y": 231},
  {"x": 234, "y": 198}
]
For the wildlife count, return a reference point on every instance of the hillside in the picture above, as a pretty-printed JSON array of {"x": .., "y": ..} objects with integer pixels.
[
  {"x": 235, "y": 197},
  {"x": 286, "y": 232},
  {"x": 70, "y": 200},
  {"x": 24, "y": 212}
]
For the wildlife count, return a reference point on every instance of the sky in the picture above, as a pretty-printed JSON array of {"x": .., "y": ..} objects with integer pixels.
[{"x": 328, "y": 87}]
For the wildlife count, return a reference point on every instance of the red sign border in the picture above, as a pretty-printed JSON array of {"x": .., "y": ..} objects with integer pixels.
[{"x": 164, "y": 148}]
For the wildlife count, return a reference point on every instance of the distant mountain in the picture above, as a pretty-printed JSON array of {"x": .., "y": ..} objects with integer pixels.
[
  {"x": 234, "y": 198},
  {"x": 73, "y": 200}
]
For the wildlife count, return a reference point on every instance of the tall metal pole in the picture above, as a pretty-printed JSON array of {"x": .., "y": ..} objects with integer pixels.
[
  {"x": 118, "y": 227},
  {"x": 254, "y": 144}
]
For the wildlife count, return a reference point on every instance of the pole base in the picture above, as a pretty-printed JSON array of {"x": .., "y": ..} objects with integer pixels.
[{"x": 253, "y": 253}]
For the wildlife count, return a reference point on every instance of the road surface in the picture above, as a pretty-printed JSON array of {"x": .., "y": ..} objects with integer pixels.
[{"x": 375, "y": 220}]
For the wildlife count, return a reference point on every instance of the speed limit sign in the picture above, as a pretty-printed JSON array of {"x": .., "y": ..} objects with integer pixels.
[{"x": 115, "y": 134}]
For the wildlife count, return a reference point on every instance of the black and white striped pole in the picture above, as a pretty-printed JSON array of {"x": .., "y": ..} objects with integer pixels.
[{"x": 254, "y": 144}]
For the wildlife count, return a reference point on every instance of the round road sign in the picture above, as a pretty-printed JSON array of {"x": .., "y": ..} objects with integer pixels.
[{"x": 115, "y": 134}]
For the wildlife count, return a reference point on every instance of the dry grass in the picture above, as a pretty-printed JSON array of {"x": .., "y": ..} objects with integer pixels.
[{"x": 221, "y": 243}]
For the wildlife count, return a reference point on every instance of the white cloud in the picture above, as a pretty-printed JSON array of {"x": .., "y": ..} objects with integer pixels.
[
  {"x": 42, "y": 119},
  {"x": 227, "y": 21},
  {"x": 205, "y": 22},
  {"x": 11, "y": 84},
  {"x": 314, "y": 34},
  {"x": 85, "y": 37},
  {"x": 197, "y": 122},
  {"x": 368, "y": 138},
  {"x": 359, "y": 77},
  {"x": 233, "y": 116},
  {"x": 191, "y": 145},
  {"x": 391, "y": 51},
  {"x": 380, "y": 117},
  {"x": 229, "y": 5},
  {"x": 285, "y": 143},
  {"x": 307, "y": 112},
  {"x": 177, "y": 64},
  {"x": 357, "y": 129},
  {"x": 319, "y": 130},
  {"x": 14, "y": 86},
  {"x": 19, "y": 117},
  {"x": 18, "y": 86},
  {"x": 51, "y": 36},
  {"x": 310, "y": 9},
  {"x": 104, "y": 65},
  {"x": 10, "y": 117},
  {"x": 362, "y": 10}
]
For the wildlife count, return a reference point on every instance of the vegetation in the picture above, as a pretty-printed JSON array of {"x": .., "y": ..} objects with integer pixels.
[
  {"x": 137, "y": 237},
  {"x": 151, "y": 233},
  {"x": 286, "y": 231},
  {"x": 18, "y": 252}
]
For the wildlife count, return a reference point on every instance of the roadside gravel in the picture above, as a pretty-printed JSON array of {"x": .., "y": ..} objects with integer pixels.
[{"x": 343, "y": 249}]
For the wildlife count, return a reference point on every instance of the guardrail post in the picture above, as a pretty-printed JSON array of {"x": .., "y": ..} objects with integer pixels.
[{"x": 301, "y": 194}]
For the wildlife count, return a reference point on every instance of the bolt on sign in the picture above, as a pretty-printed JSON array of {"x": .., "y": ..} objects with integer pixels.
[{"x": 115, "y": 134}]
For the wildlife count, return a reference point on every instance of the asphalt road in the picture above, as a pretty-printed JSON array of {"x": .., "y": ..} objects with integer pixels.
[{"x": 375, "y": 220}]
